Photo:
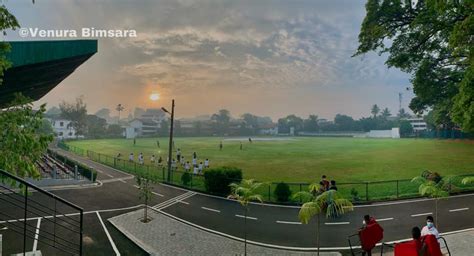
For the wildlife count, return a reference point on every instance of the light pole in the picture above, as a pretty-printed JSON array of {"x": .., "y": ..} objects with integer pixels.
[{"x": 171, "y": 138}]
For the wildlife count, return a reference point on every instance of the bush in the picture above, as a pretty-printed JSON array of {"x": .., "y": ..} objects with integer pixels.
[
  {"x": 186, "y": 178},
  {"x": 282, "y": 192},
  {"x": 355, "y": 195},
  {"x": 217, "y": 180},
  {"x": 432, "y": 176}
]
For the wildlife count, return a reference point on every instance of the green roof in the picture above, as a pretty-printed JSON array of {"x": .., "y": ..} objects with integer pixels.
[{"x": 31, "y": 52}]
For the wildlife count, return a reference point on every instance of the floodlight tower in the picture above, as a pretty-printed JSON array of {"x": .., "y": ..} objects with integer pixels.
[{"x": 400, "y": 95}]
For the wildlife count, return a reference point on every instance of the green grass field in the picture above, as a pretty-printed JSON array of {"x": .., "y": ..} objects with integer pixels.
[{"x": 303, "y": 159}]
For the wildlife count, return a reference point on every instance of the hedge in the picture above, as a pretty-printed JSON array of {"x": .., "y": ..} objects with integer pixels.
[{"x": 217, "y": 180}]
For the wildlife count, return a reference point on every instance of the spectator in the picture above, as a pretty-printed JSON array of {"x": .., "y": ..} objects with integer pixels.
[
  {"x": 206, "y": 163},
  {"x": 173, "y": 164},
  {"x": 322, "y": 187},
  {"x": 187, "y": 166},
  {"x": 134, "y": 141},
  {"x": 182, "y": 161},
  {"x": 196, "y": 170},
  {"x": 160, "y": 160},
  {"x": 131, "y": 158},
  {"x": 250, "y": 140},
  {"x": 430, "y": 229},
  {"x": 241, "y": 146},
  {"x": 119, "y": 155},
  {"x": 140, "y": 158},
  {"x": 152, "y": 159},
  {"x": 194, "y": 155},
  {"x": 178, "y": 155},
  {"x": 333, "y": 185},
  {"x": 325, "y": 182},
  {"x": 416, "y": 235},
  {"x": 194, "y": 162},
  {"x": 220, "y": 145},
  {"x": 200, "y": 166},
  {"x": 158, "y": 143}
]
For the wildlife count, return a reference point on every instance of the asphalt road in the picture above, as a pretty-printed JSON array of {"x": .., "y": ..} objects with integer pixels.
[{"x": 269, "y": 225}]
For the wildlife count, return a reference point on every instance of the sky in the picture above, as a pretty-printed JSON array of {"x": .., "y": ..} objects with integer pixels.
[{"x": 270, "y": 58}]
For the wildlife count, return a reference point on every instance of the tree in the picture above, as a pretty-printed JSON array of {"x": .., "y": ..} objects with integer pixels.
[
  {"x": 119, "y": 109},
  {"x": 375, "y": 110},
  {"x": 331, "y": 203},
  {"x": 7, "y": 22},
  {"x": 96, "y": 126},
  {"x": 432, "y": 40},
  {"x": 114, "y": 130},
  {"x": 403, "y": 114},
  {"x": 145, "y": 188},
  {"x": 405, "y": 128},
  {"x": 385, "y": 113},
  {"x": 250, "y": 122},
  {"x": 433, "y": 189},
  {"x": 222, "y": 120},
  {"x": 284, "y": 124},
  {"x": 244, "y": 193},
  {"x": 344, "y": 123},
  {"x": 46, "y": 128},
  {"x": 76, "y": 113},
  {"x": 311, "y": 124},
  {"x": 53, "y": 112},
  {"x": 103, "y": 113},
  {"x": 20, "y": 143}
]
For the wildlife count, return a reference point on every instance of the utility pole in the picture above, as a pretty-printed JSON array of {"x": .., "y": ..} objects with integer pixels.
[{"x": 171, "y": 140}]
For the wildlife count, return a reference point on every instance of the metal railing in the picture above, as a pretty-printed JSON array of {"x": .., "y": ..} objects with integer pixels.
[
  {"x": 25, "y": 206},
  {"x": 359, "y": 192}
]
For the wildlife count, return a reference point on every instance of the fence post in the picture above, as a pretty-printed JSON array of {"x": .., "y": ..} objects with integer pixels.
[
  {"x": 269, "y": 189},
  {"x": 92, "y": 174},
  {"x": 300, "y": 191},
  {"x": 24, "y": 222},
  {"x": 163, "y": 172},
  {"x": 115, "y": 162},
  {"x": 397, "y": 189},
  {"x": 75, "y": 171},
  {"x": 367, "y": 191},
  {"x": 54, "y": 172}
]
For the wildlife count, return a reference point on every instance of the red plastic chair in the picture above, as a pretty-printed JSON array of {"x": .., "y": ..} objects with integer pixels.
[{"x": 411, "y": 248}]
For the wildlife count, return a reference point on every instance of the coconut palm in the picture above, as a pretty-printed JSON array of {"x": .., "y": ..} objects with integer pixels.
[
  {"x": 245, "y": 192},
  {"x": 432, "y": 189},
  {"x": 330, "y": 203}
]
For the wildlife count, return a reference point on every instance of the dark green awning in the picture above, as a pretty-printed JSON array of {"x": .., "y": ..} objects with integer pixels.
[{"x": 39, "y": 66}]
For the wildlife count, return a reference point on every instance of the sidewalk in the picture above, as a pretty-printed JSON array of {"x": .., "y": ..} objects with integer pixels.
[{"x": 167, "y": 236}]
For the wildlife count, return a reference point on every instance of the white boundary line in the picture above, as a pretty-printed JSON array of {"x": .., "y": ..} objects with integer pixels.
[
  {"x": 458, "y": 210},
  {"x": 35, "y": 242},
  {"x": 108, "y": 235},
  {"x": 288, "y": 222},
  {"x": 210, "y": 209},
  {"x": 337, "y": 223},
  {"x": 157, "y": 194},
  {"x": 421, "y": 214},
  {"x": 384, "y": 219},
  {"x": 242, "y": 216}
]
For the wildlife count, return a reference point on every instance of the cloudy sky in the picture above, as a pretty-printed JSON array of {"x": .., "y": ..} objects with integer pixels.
[{"x": 270, "y": 58}]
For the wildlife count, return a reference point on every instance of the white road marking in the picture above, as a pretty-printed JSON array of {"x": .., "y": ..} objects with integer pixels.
[
  {"x": 136, "y": 186},
  {"x": 154, "y": 193},
  {"x": 337, "y": 223},
  {"x": 182, "y": 202},
  {"x": 122, "y": 181},
  {"x": 210, "y": 209},
  {"x": 174, "y": 200},
  {"x": 108, "y": 235},
  {"x": 458, "y": 210},
  {"x": 109, "y": 175},
  {"x": 421, "y": 214},
  {"x": 385, "y": 219},
  {"x": 288, "y": 222},
  {"x": 242, "y": 216},
  {"x": 35, "y": 242}
]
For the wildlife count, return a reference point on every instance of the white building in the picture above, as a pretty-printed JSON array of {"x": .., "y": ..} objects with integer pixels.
[
  {"x": 63, "y": 129},
  {"x": 394, "y": 133},
  {"x": 418, "y": 123},
  {"x": 147, "y": 125},
  {"x": 269, "y": 129}
]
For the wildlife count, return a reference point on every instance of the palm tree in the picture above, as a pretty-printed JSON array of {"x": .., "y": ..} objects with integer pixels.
[
  {"x": 385, "y": 113},
  {"x": 119, "y": 108},
  {"x": 244, "y": 193},
  {"x": 331, "y": 203},
  {"x": 468, "y": 180},
  {"x": 375, "y": 110},
  {"x": 431, "y": 189}
]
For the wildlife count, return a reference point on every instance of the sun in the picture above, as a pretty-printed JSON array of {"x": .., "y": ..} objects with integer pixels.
[{"x": 154, "y": 96}]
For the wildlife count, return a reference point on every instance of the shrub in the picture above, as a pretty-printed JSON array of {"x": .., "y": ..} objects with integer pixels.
[
  {"x": 217, "y": 180},
  {"x": 186, "y": 178},
  {"x": 282, "y": 192},
  {"x": 432, "y": 176},
  {"x": 355, "y": 195}
]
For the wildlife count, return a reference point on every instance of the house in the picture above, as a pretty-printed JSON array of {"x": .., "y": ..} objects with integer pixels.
[
  {"x": 63, "y": 129},
  {"x": 268, "y": 129},
  {"x": 146, "y": 125},
  {"x": 418, "y": 123}
]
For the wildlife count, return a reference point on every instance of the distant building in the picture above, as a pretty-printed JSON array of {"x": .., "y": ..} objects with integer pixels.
[
  {"x": 418, "y": 123},
  {"x": 63, "y": 129},
  {"x": 148, "y": 124},
  {"x": 268, "y": 129}
]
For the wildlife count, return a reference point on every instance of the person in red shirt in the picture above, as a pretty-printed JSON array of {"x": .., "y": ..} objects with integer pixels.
[{"x": 325, "y": 182}]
